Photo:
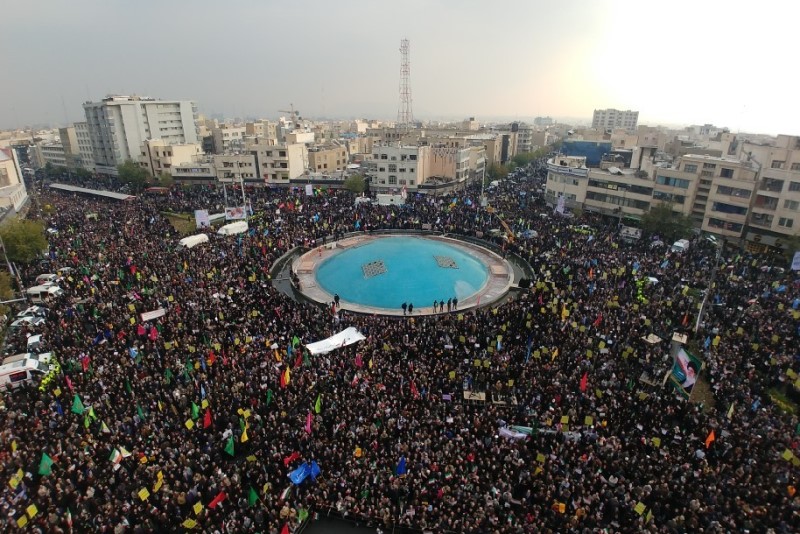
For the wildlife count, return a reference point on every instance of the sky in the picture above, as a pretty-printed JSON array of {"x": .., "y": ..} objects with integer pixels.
[{"x": 678, "y": 62}]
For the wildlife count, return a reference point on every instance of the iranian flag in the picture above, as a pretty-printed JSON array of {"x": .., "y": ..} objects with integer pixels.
[{"x": 116, "y": 456}]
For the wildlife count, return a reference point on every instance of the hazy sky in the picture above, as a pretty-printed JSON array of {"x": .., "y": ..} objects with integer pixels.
[{"x": 677, "y": 62}]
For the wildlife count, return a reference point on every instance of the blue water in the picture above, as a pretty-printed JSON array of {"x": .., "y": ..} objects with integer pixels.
[{"x": 412, "y": 273}]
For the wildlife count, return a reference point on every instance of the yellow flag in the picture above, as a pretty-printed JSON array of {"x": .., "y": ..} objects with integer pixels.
[
  {"x": 14, "y": 446},
  {"x": 244, "y": 435},
  {"x": 198, "y": 507},
  {"x": 144, "y": 494},
  {"x": 189, "y": 523}
]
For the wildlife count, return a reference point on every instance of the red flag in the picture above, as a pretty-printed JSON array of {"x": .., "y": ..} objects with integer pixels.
[
  {"x": 414, "y": 390},
  {"x": 211, "y": 358},
  {"x": 218, "y": 499},
  {"x": 207, "y": 418},
  {"x": 359, "y": 360},
  {"x": 69, "y": 383},
  {"x": 291, "y": 458},
  {"x": 285, "y": 529},
  {"x": 584, "y": 382},
  {"x": 597, "y": 321},
  {"x": 710, "y": 439},
  {"x": 309, "y": 418},
  {"x": 153, "y": 334},
  {"x": 285, "y": 378},
  {"x": 140, "y": 330},
  {"x": 298, "y": 361},
  {"x": 685, "y": 320},
  {"x": 591, "y": 273}
]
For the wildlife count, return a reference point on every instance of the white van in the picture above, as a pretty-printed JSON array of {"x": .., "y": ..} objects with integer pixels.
[
  {"x": 42, "y": 294},
  {"x": 14, "y": 375},
  {"x": 193, "y": 241},
  {"x": 35, "y": 343},
  {"x": 46, "y": 279},
  {"x": 234, "y": 228},
  {"x": 45, "y": 358},
  {"x": 681, "y": 246}
]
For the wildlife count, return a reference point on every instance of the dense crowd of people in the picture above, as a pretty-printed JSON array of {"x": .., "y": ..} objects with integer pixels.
[{"x": 195, "y": 419}]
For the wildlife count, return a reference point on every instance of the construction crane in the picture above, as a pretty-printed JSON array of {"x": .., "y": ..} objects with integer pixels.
[{"x": 293, "y": 114}]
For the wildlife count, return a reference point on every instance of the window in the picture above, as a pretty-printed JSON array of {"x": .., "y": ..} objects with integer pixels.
[
  {"x": 726, "y": 173},
  {"x": 709, "y": 165},
  {"x": 707, "y": 173},
  {"x": 771, "y": 184},
  {"x": 793, "y": 205},
  {"x": 785, "y": 222},
  {"x": 794, "y": 186},
  {"x": 402, "y": 169},
  {"x": 728, "y": 208},
  {"x": 402, "y": 181},
  {"x": 18, "y": 377},
  {"x": 281, "y": 153},
  {"x": 412, "y": 157},
  {"x": 392, "y": 167},
  {"x": 796, "y": 166},
  {"x": 672, "y": 182},
  {"x": 668, "y": 197},
  {"x": 733, "y": 191},
  {"x": 724, "y": 225},
  {"x": 411, "y": 182},
  {"x": 384, "y": 156},
  {"x": 777, "y": 164},
  {"x": 382, "y": 169},
  {"x": 392, "y": 180},
  {"x": 689, "y": 168}
]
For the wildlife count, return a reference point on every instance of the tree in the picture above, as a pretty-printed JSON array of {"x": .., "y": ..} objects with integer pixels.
[
  {"x": 133, "y": 175},
  {"x": 641, "y": 174},
  {"x": 496, "y": 172},
  {"x": 790, "y": 245},
  {"x": 6, "y": 290},
  {"x": 24, "y": 240},
  {"x": 83, "y": 174},
  {"x": 665, "y": 222},
  {"x": 165, "y": 179},
  {"x": 355, "y": 184}
]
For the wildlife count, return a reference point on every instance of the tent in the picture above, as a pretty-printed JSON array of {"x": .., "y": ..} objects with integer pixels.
[{"x": 342, "y": 339}]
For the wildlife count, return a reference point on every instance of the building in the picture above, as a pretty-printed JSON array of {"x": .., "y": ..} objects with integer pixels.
[
  {"x": 227, "y": 138},
  {"x": 235, "y": 168},
  {"x": 119, "y": 125},
  {"x": 158, "y": 157},
  {"x": 524, "y": 137},
  {"x": 201, "y": 172},
  {"x": 610, "y": 119},
  {"x": 278, "y": 164},
  {"x": 69, "y": 140},
  {"x": 330, "y": 158},
  {"x": 13, "y": 194},
  {"x": 261, "y": 129},
  {"x": 543, "y": 122},
  {"x": 84, "y": 140},
  {"x": 48, "y": 152}
]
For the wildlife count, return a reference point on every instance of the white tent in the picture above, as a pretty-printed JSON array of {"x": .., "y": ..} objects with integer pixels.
[{"x": 342, "y": 339}]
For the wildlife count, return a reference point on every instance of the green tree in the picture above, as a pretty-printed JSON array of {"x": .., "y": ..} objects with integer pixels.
[
  {"x": 6, "y": 290},
  {"x": 24, "y": 240},
  {"x": 496, "y": 172},
  {"x": 665, "y": 222},
  {"x": 132, "y": 174},
  {"x": 790, "y": 245},
  {"x": 165, "y": 179},
  {"x": 83, "y": 174},
  {"x": 355, "y": 184}
]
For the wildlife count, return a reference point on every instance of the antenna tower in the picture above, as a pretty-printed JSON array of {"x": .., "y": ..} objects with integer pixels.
[{"x": 405, "y": 115}]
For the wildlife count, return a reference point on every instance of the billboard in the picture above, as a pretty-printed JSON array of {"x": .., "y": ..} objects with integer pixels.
[
  {"x": 235, "y": 213},
  {"x": 201, "y": 219}
]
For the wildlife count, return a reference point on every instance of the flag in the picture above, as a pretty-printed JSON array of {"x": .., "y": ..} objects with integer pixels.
[
  {"x": 104, "y": 428},
  {"x": 252, "y": 497},
  {"x": 13, "y": 445},
  {"x": 291, "y": 458},
  {"x": 295, "y": 341},
  {"x": 68, "y": 518},
  {"x": 269, "y": 396},
  {"x": 302, "y": 515},
  {"x": 116, "y": 456},
  {"x": 730, "y": 411},
  {"x": 207, "y": 418},
  {"x": 45, "y": 465},
  {"x": 195, "y": 411},
  {"x": 285, "y": 529},
  {"x": 309, "y": 419},
  {"x": 140, "y": 411},
  {"x": 285, "y": 493},
  {"x": 318, "y": 404},
  {"x": 710, "y": 439},
  {"x": 91, "y": 414},
  {"x": 229, "y": 446},
  {"x": 77, "y": 405},
  {"x": 401, "y": 467},
  {"x": 286, "y": 376},
  {"x": 244, "y": 435},
  {"x": 124, "y": 452},
  {"x": 300, "y": 474},
  {"x": 584, "y": 382},
  {"x": 315, "y": 470},
  {"x": 414, "y": 390},
  {"x": 216, "y": 500}
]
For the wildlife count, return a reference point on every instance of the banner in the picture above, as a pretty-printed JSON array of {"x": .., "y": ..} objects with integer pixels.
[
  {"x": 155, "y": 314},
  {"x": 342, "y": 339},
  {"x": 201, "y": 219},
  {"x": 560, "y": 205},
  {"x": 309, "y": 190},
  {"x": 796, "y": 261},
  {"x": 235, "y": 213},
  {"x": 685, "y": 370}
]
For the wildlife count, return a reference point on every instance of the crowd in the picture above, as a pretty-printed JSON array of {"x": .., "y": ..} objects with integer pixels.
[{"x": 195, "y": 419}]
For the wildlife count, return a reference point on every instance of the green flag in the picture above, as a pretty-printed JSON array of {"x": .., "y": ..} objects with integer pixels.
[
  {"x": 229, "y": 446},
  {"x": 318, "y": 404},
  {"x": 195, "y": 411},
  {"x": 302, "y": 515},
  {"x": 45, "y": 464},
  {"x": 77, "y": 405},
  {"x": 295, "y": 341},
  {"x": 92, "y": 414},
  {"x": 252, "y": 497},
  {"x": 168, "y": 376},
  {"x": 86, "y": 421},
  {"x": 242, "y": 424},
  {"x": 269, "y": 396},
  {"x": 139, "y": 411},
  {"x": 127, "y": 385}
]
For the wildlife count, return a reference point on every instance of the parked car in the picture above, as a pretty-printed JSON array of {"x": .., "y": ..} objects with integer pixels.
[
  {"x": 30, "y": 322},
  {"x": 33, "y": 311}
]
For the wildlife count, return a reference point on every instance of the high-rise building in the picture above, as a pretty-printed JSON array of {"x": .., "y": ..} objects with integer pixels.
[
  {"x": 611, "y": 119},
  {"x": 13, "y": 194},
  {"x": 119, "y": 125},
  {"x": 84, "y": 145}
]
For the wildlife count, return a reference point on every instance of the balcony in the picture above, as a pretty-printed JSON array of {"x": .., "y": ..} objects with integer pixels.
[
  {"x": 763, "y": 220},
  {"x": 766, "y": 203}
]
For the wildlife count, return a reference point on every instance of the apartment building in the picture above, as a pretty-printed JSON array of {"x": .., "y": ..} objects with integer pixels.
[
  {"x": 277, "y": 164},
  {"x": 201, "y": 172},
  {"x": 235, "y": 168},
  {"x": 261, "y": 129},
  {"x": 118, "y": 125},
  {"x": 69, "y": 140},
  {"x": 330, "y": 158},
  {"x": 84, "y": 139},
  {"x": 159, "y": 157},
  {"x": 13, "y": 194},
  {"x": 227, "y": 138},
  {"x": 610, "y": 119}
]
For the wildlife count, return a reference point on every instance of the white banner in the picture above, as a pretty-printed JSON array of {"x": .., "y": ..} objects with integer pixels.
[
  {"x": 201, "y": 219},
  {"x": 309, "y": 190},
  {"x": 796, "y": 261},
  {"x": 342, "y": 339},
  {"x": 560, "y": 205},
  {"x": 155, "y": 314},
  {"x": 235, "y": 213}
]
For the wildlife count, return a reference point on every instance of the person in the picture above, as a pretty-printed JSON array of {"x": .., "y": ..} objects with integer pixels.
[
  {"x": 455, "y": 303},
  {"x": 435, "y": 305},
  {"x": 404, "y": 306},
  {"x": 449, "y": 304},
  {"x": 336, "y": 299},
  {"x": 410, "y": 308}
]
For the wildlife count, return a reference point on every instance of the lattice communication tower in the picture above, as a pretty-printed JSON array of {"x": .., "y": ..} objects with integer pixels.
[{"x": 405, "y": 114}]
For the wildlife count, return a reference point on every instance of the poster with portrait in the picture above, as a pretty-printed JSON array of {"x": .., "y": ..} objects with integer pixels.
[
  {"x": 201, "y": 219},
  {"x": 685, "y": 371}
]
